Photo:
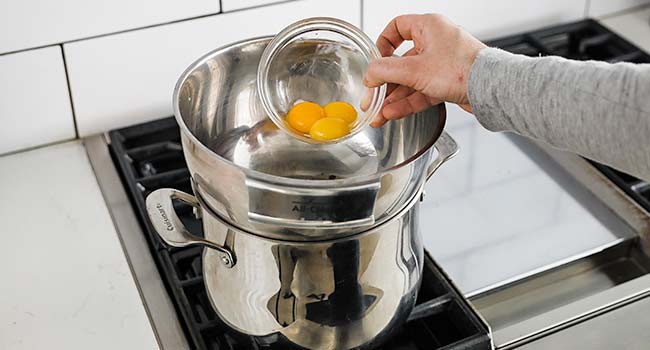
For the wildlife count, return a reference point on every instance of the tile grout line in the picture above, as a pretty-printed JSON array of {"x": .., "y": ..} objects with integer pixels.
[
  {"x": 97, "y": 36},
  {"x": 29, "y": 49},
  {"x": 39, "y": 146},
  {"x": 188, "y": 19},
  {"x": 67, "y": 79}
]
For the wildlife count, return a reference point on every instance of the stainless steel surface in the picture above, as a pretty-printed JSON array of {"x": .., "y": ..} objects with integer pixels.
[
  {"x": 536, "y": 306},
  {"x": 528, "y": 311},
  {"x": 229, "y": 143},
  {"x": 584, "y": 309},
  {"x": 558, "y": 296},
  {"x": 336, "y": 294},
  {"x": 605, "y": 190},
  {"x": 562, "y": 291},
  {"x": 171, "y": 229},
  {"x": 320, "y": 60},
  {"x": 514, "y": 206},
  {"x": 155, "y": 299},
  {"x": 530, "y": 308},
  {"x": 626, "y": 328}
]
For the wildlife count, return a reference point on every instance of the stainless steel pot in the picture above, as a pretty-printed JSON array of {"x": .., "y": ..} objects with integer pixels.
[
  {"x": 274, "y": 185},
  {"x": 338, "y": 294}
]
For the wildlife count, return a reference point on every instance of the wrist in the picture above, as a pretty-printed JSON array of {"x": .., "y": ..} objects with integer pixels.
[{"x": 467, "y": 84}]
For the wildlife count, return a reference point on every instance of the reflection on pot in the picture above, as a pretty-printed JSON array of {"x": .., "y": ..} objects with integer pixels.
[{"x": 338, "y": 294}]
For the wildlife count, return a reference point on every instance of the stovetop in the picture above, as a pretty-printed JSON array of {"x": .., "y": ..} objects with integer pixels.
[
  {"x": 149, "y": 156},
  {"x": 538, "y": 203}
]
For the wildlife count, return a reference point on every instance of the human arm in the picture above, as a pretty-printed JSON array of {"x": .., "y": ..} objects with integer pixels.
[{"x": 598, "y": 110}]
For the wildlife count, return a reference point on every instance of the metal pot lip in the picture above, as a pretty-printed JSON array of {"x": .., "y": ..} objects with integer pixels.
[
  {"x": 232, "y": 227},
  {"x": 254, "y": 174}
]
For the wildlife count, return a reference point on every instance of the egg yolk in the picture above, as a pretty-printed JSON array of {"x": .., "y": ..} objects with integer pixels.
[
  {"x": 329, "y": 128},
  {"x": 303, "y": 115},
  {"x": 340, "y": 109}
]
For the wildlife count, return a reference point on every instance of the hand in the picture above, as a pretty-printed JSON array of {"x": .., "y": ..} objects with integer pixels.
[{"x": 436, "y": 69}]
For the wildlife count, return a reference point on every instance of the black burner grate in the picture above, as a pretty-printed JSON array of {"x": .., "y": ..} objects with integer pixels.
[
  {"x": 585, "y": 40},
  {"x": 149, "y": 156},
  {"x": 582, "y": 40},
  {"x": 638, "y": 190}
]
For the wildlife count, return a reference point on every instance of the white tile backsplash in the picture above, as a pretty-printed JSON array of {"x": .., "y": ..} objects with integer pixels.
[
  {"x": 34, "y": 101},
  {"x": 31, "y": 23},
  {"x": 486, "y": 19},
  {"x": 598, "y": 8},
  {"x": 128, "y": 78}
]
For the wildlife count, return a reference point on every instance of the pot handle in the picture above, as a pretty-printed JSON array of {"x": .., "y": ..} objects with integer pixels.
[
  {"x": 447, "y": 149},
  {"x": 169, "y": 227}
]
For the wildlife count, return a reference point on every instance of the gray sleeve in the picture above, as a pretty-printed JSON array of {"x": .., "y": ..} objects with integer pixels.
[{"x": 598, "y": 110}]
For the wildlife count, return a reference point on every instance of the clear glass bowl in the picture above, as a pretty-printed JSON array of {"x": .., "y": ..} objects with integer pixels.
[{"x": 319, "y": 60}]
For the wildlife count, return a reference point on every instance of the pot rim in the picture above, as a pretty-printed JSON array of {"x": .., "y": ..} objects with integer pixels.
[
  {"x": 239, "y": 230},
  {"x": 254, "y": 174}
]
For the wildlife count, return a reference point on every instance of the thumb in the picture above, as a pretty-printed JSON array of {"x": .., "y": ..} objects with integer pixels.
[{"x": 397, "y": 70}]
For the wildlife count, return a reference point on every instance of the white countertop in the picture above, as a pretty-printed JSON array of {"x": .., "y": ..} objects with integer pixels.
[{"x": 66, "y": 282}]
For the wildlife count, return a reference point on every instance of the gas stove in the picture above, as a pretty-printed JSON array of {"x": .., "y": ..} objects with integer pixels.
[
  {"x": 149, "y": 156},
  {"x": 551, "y": 250}
]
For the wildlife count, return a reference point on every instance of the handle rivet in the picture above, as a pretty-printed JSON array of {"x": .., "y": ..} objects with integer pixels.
[{"x": 225, "y": 260}]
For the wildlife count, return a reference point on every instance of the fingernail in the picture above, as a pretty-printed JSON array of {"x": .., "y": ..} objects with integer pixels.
[{"x": 365, "y": 101}]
